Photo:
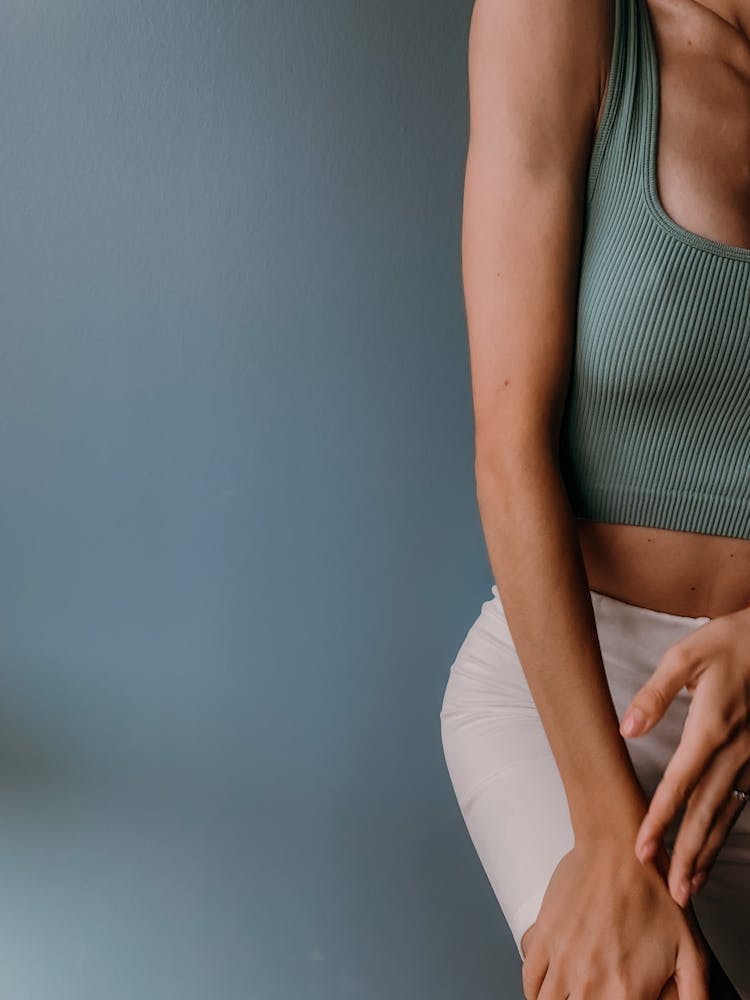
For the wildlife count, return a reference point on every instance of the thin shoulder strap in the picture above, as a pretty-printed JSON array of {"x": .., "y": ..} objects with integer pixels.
[{"x": 620, "y": 95}]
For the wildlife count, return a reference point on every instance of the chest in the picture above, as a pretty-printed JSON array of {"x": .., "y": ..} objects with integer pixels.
[{"x": 703, "y": 137}]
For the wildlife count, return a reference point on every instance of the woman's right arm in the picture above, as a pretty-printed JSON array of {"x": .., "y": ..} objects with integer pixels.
[
  {"x": 537, "y": 73},
  {"x": 535, "y": 85}
]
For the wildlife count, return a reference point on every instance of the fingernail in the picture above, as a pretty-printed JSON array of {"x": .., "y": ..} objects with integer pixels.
[
  {"x": 680, "y": 891},
  {"x": 633, "y": 720},
  {"x": 646, "y": 849},
  {"x": 697, "y": 882}
]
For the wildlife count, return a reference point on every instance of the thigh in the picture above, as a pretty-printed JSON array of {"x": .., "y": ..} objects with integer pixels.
[
  {"x": 509, "y": 789},
  {"x": 503, "y": 773}
]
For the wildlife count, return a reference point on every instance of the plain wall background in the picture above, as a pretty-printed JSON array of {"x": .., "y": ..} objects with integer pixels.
[{"x": 239, "y": 543}]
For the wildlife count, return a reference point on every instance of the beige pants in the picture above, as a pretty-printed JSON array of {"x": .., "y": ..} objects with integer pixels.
[{"x": 509, "y": 789}]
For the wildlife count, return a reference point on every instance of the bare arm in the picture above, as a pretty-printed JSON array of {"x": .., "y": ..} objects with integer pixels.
[{"x": 536, "y": 78}]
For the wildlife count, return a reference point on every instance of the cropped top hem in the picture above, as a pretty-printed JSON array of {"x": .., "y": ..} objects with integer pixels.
[{"x": 678, "y": 510}]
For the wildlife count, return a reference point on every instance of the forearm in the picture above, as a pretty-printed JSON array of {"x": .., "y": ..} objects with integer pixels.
[{"x": 540, "y": 574}]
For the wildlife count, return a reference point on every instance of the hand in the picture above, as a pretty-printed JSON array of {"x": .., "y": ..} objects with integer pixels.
[
  {"x": 608, "y": 927},
  {"x": 713, "y": 755}
]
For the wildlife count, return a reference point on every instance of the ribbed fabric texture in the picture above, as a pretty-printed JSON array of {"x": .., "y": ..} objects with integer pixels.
[{"x": 656, "y": 429}]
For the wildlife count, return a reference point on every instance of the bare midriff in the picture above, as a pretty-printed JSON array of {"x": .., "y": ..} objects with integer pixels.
[{"x": 679, "y": 572}]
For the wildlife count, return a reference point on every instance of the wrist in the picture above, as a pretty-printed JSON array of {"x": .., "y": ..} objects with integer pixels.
[
  {"x": 621, "y": 837},
  {"x": 612, "y": 814},
  {"x": 612, "y": 824}
]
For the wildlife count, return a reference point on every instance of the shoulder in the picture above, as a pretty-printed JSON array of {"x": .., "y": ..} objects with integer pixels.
[{"x": 537, "y": 76}]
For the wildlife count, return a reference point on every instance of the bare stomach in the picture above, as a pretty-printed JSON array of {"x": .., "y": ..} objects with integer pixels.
[{"x": 679, "y": 572}]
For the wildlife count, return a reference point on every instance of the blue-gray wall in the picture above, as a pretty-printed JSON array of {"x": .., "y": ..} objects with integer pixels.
[{"x": 239, "y": 544}]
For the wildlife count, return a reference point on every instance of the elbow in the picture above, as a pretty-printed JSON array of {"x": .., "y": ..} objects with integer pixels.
[
  {"x": 512, "y": 455},
  {"x": 506, "y": 472}
]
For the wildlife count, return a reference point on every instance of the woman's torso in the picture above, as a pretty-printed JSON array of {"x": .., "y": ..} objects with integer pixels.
[{"x": 704, "y": 185}]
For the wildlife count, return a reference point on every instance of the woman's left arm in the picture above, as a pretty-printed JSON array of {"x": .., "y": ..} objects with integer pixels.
[{"x": 713, "y": 756}]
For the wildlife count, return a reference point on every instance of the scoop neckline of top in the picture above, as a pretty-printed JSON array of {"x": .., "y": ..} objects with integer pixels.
[{"x": 651, "y": 193}]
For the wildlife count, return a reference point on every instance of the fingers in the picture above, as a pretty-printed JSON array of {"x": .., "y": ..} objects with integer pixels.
[
  {"x": 691, "y": 972},
  {"x": 711, "y": 811},
  {"x": 670, "y": 991},
  {"x": 553, "y": 988},
  {"x": 693, "y": 754},
  {"x": 533, "y": 971},
  {"x": 714, "y": 842},
  {"x": 731, "y": 813},
  {"x": 680, "y": 663}
]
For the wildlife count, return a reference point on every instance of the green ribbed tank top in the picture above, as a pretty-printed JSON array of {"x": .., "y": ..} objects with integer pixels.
[{"x": 656, "y": 426}]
